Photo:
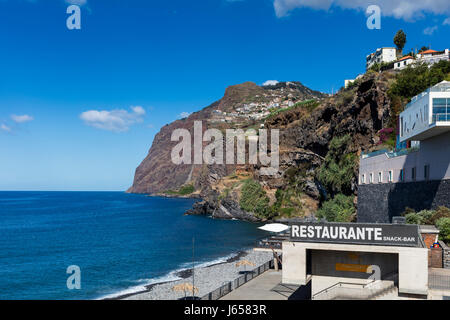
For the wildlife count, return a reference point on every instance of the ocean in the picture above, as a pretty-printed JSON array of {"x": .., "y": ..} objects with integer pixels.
[{"x": 121, "y": 242}]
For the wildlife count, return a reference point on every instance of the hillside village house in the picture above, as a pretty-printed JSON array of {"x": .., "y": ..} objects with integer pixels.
[
  {"x": 382, "y": 55},
  {"x": 429, "y": 56},
  {"x": 432, "y": 56},
  {"x": 418, "y": 178},
  {"x": 404, "y": 62}
]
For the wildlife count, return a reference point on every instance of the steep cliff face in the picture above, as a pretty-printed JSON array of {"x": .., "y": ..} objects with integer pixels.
[
  {"x": 306, "y": 130},
  {"x": 158, "y": 174}
]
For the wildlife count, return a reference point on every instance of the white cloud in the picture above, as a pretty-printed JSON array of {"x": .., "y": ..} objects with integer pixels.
[
  {"x": 184, "y": 115},
  {"x": 400, "y": 9},
  {"x": 114, "y": 120},
  {"x": 22, "y": 118},
  {"x": 5, "y": 128},
  {"x": 270, "y": 83},
  {"x": 77, "y": 2},
  {"x": 430, "y": 30},
  {"x": 446, "y": 22}
]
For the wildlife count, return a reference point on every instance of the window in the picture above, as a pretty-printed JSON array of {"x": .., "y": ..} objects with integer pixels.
[
  {"x": 380, "y": 177},
  {"x": 363, "y": 178},
  {"x": 402, "y": 175},
  {"x": 391, "y": 176},
  {"x": 371, "y": 178},
  {"x": 413, "y": 174},
  {"x": 426, "y": 172},
  {"x": 441, "y": 110},
  {"x": 402, "y": 125}
]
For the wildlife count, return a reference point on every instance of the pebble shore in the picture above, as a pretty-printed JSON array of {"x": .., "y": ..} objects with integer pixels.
[{"x": 207, "y": 278}]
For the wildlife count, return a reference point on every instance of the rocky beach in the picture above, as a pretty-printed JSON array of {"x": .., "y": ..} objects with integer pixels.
[{"x": 207, "y": 278}]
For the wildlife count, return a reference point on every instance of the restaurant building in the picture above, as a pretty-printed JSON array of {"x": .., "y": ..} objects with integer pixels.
[{"x": 356, "y": 261}]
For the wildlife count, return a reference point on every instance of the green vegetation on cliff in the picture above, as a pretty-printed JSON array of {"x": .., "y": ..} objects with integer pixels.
[
  {"x": 415, "y": 79},
  {"x": 254, "y": 198},
  {"x": 338, "y": 209},
  {"x": 337, "y": 171},
  {"x": 183, "y": 191}
]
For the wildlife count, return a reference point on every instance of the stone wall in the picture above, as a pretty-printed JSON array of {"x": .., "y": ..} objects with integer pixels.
[{"x": 378, "y": 203}]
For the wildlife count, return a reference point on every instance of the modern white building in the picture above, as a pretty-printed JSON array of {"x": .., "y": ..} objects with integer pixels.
[
  {"x": 382, "y": 55},
  {"x": 427, "y": 115},
  {"x": 417, "y": 178}
]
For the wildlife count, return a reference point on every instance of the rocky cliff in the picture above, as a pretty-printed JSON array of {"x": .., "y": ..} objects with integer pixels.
[{"x": 308, "y": 120}]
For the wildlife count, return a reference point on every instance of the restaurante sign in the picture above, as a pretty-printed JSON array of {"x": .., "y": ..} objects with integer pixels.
[{"x": 356, "y": 233}]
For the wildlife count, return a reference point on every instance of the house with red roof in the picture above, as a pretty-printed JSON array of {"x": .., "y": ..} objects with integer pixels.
[
  {"x": 433, "y": 56},
  {"x": 403, "y": 62}
]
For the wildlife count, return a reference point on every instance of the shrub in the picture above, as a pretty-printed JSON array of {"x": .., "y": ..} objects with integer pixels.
[
  {"x": 407, "y": 211},
  {"x": 441, "y": 212},
  {"x": 417, "y": 78},
  {"x": 421, "y": 217},
  {"x": 443, "y": 224},
  {"x": 183, "y": 191},
  {"x": 254, "y": 199},
  {"x": 187, "y": 189},
  {"x": 337, "y": 171},
  {"x": 338, "y": 209},
  {"x": 413, "y": 218}
]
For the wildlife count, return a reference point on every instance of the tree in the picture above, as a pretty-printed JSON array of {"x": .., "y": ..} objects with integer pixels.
[
  {"x": 400, "y": 40},
  {"x": 337, "y": 171}
]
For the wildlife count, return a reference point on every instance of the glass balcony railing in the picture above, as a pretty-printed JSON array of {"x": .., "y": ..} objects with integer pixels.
[
  {"x": 442, "y": 87},
  {"x": 440, "y": 117}
]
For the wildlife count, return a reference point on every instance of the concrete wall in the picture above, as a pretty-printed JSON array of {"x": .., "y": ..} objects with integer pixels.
[
  {"x": 412, "y": 263},
  {"x": 378, "y": 203}
]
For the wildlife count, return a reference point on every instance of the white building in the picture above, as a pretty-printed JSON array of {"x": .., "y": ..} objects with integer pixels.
[
  {"x": 404, "y": 62},
  {"x": 427, "y": 115},
  {"x": 418, "y": 178},
  {"x": 432, "y": 56},
  {"x": 429, "y": 56},
  {"x": 382, "y": 55}
]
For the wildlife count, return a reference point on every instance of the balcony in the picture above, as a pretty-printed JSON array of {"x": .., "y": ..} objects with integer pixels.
[{"x": 440, "y": 117}]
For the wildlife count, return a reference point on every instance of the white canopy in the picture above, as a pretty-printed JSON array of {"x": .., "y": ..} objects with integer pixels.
[{"x": 274, "y": 227}]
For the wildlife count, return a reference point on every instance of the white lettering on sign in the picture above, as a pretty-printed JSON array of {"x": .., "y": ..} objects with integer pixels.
[
  {"x": 295, "y": 231},
  {"x": 338, "y": 232}
]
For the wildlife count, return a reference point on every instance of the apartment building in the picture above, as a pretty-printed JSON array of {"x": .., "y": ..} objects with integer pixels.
[{"x": 419, "y": 178}]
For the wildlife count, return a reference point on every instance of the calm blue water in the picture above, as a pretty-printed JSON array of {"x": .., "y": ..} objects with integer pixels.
[{"x": 120, "y": 241}]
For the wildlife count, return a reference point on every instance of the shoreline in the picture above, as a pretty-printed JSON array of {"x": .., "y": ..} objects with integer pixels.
[{"x": 208, "y": 277}]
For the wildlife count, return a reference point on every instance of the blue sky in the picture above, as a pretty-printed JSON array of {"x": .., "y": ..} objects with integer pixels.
[{"x": 79, "y": 108}]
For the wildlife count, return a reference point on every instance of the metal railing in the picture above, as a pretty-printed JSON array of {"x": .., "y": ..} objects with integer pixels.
[
  {"x": 227, "y": 287},
  {"x": 439, "y": 281},
  {"x": 359, "y": 290},
  {"x": 440, "y": 117}
]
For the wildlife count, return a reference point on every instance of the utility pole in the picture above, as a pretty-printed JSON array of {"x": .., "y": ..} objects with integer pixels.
[{"x": 193, "y": 267}]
